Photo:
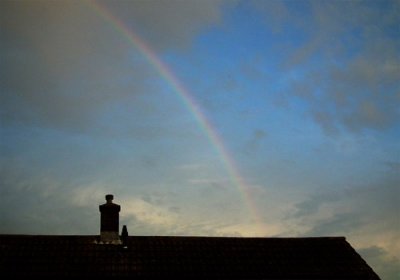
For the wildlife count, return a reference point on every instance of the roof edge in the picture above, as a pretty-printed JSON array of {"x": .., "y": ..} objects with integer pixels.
[{"x": 180, "y": 236}]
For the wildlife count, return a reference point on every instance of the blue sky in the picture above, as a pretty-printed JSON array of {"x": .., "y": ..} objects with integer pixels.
[{"x": 304, "y": 96}]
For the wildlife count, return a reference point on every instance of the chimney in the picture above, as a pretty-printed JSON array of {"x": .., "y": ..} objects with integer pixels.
[{"x": 109, "y": 219}]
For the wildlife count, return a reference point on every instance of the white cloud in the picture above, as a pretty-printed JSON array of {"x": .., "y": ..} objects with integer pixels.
[
  {"x": 146, "y": 212},
  {"x": 256, "y": 229}
]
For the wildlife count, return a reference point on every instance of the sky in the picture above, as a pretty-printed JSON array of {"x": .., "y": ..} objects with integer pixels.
[{"x": 204, "y": 118}]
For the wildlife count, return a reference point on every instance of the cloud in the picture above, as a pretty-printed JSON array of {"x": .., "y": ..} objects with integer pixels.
[
  {"x": 277, "y": 13},
  {"x": 359, "y": 87},
  {"x": 183, "y": 216},
  {"x": 255, "y": 141},
  {"x": 364, "y": 215},
  {"x": 393, "y": 165},
  {"x": 59, "y": 59},
  {"x": 343, "y": 212},
  {"x": 64, "y": 66},
  {"x": 169, "y": 24},
  {"x": 193, "y": 167},
  {"x": 313, "y": 204},
  {"x": 42, "y": 204},
  {"x": 345, "y": 62},
  {"x": 139, "y": 210},
  {"x": 210, "y": 182},
  {"x": 250, "y": 229},
  {"x": 40, "y": 201},
  {"x": 386, "y": 266}
]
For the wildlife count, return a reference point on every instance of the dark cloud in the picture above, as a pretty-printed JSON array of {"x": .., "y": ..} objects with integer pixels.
[
  {"x": 168, "y": 24},
  {"x": 43, "y": 204},
  {"x": 60, "y": 63},
  {"x": 65, "y": 66},
  {"x": 313, "y": 204}
]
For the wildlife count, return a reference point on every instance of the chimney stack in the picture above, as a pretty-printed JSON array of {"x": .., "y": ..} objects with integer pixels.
[{"x": 109, "y": 216}]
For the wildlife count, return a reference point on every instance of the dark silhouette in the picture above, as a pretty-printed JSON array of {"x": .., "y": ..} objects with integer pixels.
[
  {"x": 124, "y": 236},
  {"x": 109, "y": 226}
]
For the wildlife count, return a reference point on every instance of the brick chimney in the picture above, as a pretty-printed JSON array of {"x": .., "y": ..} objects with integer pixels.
[{"x": 109, "y": 221}]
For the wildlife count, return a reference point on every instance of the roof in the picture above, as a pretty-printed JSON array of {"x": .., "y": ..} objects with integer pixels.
[{"x": 189, "y": 257}]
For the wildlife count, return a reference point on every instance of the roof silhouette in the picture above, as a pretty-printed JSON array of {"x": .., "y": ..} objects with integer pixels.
[{"x": 186, "y": 257}]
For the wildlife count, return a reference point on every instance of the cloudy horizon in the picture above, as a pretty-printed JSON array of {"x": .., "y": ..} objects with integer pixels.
[{"x": 300, "y": 101}]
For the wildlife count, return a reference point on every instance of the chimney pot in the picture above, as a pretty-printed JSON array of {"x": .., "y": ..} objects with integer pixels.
[{"x": 109, "y": 197}]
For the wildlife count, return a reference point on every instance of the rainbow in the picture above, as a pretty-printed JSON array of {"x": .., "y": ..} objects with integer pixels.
[{"x": 216, "y": 141}]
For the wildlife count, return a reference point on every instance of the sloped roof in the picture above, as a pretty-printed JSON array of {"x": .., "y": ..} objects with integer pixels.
[{"x": 189, "y": 257}]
